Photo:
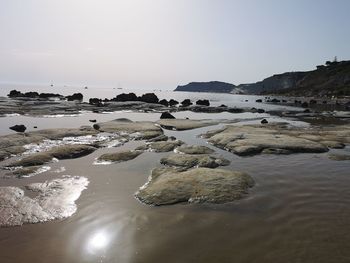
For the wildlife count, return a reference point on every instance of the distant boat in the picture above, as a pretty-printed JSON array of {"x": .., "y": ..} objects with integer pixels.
[
  {"x": 120, "y": 88},
  {"x": 86, "y": 87}
]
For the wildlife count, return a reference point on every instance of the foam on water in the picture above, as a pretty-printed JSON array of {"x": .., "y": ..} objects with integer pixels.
[{"x": 55, "y": 200}]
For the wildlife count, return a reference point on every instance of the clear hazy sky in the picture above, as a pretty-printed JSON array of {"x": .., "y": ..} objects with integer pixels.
[{"x": 163, "y": 43}]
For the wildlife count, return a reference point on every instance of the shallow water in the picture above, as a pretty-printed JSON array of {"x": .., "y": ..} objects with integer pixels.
[{"x": 298, "y": 210}]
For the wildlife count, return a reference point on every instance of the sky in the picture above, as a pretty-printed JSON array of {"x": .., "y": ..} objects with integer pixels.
[{"x": 164, "y": 43}]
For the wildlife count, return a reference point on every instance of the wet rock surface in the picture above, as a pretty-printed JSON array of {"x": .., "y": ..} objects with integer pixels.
[
  {"x": 184, "y": 124},
  {"x": 54, "y": 200},
  {"x": 142, "y": 130},
  {"x": 118, "y": 156},
  {"x": 60, "y": 152},
  {"x": 191, "y": 160},
  {"x": 201, "y": 185},
  {"x": 161, "y": 146},
  {"x": 254, "y": 139},
  {"x": 194, "y": 149}
]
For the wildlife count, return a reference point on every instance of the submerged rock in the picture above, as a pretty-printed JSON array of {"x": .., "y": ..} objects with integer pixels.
[
  {"x": 118, "y": 156},
  {"x": 55, "y": 200},
  {"x": 339, "y": 157},
  {"x": 28, "y": 171},
  {"x": 200, "y": 185},
  {"x": 194, "y": 149},
  {"x": 190, "y": 160}
]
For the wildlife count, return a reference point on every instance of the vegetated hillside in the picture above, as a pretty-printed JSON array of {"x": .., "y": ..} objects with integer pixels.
[
  {"x": 212, "y": 86},
  {"x": 274, "y": 83},
  {"x": 330, "y": 80}
]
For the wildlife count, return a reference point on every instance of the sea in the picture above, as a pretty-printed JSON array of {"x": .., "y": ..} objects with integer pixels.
[{"x": 298, "y": 211}]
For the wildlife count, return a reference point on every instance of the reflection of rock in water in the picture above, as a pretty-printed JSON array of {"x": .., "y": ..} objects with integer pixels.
[{"x": 55, "y": 200}]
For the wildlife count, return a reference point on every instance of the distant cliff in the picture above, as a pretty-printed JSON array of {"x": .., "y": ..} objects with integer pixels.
[
  {"x": 333, "y": 79},
  {"x": 271, "y": 84},
  {"x": 212, "y": 86},
  {"x": 327, "y": 80}
]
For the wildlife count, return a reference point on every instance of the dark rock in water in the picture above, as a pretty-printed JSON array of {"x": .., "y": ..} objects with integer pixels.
[
  {"x": 31, "y": 94},
  {"x": 49, "y": 95},
  {"x": 305, "y": 104},
  {"x": 14, "y": 93},
  {"x": 258, "y": 100},
  {"x": 264, "y": 121},
  {"x": 235, "y": 110},
  {"x": 313, "y": 101},
  {"x": 173, "y": 102},
  {"x": 92, "y": 120},
  {"x": 96, "y": 126},
  {"x": 223, "y": 106},
  {"x": 167, "y": 115},
  {"x": 306, "y": 111},
  {"x": 246, "y": 100},
  {"x": 260, "y": 110},
  {"x": 95, "y": 101},
  {"x": 275, "y": 100},
  {"x": 284, "y": 101},
  {"x": 186, "y": 102},
  {"x": 212, "y": 86},
  {"x": 164, "y": 102},
  {"x": 35, "y": 127},
  {"x": 18, "y": 128},
  {"x": 126, "y": 97},
  {"x": 75, "y": 96},
  {"x": 149, "y": 98},
  {"x": 203, "y": 102}
]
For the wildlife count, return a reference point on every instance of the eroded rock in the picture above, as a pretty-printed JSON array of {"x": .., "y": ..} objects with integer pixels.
[
  {"x": 194, "y": 149},
  {"x": 60, "y": 152},
  {"x": 118, "y": 156},
  {"x": 200, "y": 185},
  {"x": 191, "y": 160},
  {"x": 254, "y": 139},
  {"x": 184, "y": 124},
  {"x": 142, "y": 129},
  {"x": 161, "y": 146}
]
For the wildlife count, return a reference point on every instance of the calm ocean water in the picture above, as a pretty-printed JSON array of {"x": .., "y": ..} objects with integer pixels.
[{"x": 298, "y": 210}]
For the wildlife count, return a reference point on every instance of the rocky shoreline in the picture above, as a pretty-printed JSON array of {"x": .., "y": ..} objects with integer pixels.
[{"x": 188, "y": 173}]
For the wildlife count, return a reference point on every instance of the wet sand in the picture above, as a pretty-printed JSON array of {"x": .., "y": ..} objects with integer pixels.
[{"x": 297, "y": 212}]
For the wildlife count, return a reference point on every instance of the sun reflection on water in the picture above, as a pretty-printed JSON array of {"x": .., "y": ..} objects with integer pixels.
[{"x": 97, "y": 242}]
